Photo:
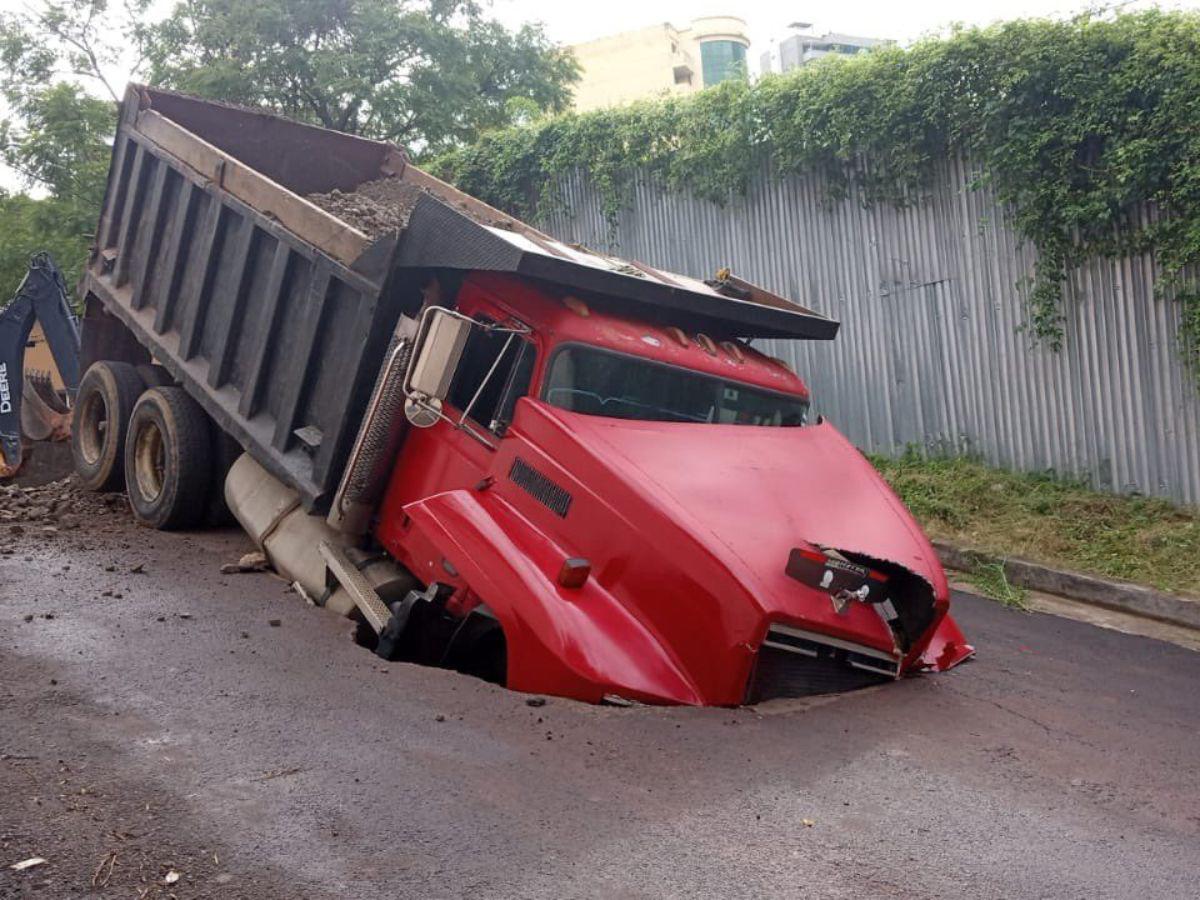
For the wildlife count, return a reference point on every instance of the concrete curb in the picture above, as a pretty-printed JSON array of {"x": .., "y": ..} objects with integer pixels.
[{"x": 1119, "y": 595}]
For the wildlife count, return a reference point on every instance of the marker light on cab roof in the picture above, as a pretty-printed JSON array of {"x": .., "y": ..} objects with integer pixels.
[{"x": 577, "y": 306}]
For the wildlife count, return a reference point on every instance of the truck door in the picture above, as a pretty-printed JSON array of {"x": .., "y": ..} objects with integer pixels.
[{"x": 486, "y": 386}]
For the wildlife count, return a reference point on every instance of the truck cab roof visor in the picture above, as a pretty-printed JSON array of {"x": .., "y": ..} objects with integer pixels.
[{"x": 440, "y": 237}]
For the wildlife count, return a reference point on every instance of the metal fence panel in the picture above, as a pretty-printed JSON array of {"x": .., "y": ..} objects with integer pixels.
[{"x": 931, "y": 351}]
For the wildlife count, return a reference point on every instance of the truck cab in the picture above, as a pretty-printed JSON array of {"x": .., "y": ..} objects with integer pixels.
[{"x": 624, "y": 500}]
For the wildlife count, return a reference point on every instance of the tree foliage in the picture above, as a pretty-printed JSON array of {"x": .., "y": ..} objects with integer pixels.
[
  {"x": 1080, "y": 126},
  {"x": 429, "y": 74},
  {"x": 29, "y": 225},
  {"x": 56, "y": 135},
  {"x": 62, "y": 146}
]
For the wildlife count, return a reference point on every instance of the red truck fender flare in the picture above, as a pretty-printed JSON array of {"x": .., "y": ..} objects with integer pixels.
[
  {"x": 581, "y": 642},
  {"x": 947, "y": 647}
]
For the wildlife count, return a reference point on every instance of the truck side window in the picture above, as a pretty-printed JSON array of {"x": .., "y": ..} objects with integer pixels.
[{"x": 510, "y": 381}]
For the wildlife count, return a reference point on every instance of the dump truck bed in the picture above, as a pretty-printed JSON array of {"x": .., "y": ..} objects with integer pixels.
[
  {"x": 271, "y": 312},
  {"x": 275, "y": 314}
]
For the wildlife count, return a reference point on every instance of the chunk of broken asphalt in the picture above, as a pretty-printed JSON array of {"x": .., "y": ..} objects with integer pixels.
[{"x": 250, "y": 562}]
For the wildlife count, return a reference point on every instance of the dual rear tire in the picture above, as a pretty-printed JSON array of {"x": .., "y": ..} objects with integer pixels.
[
  {"x": 168, "y": 460},
  {"x": 136, "y": 430}
]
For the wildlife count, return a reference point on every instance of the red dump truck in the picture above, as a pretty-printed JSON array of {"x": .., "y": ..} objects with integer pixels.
[{"x": 542, "y": 465}]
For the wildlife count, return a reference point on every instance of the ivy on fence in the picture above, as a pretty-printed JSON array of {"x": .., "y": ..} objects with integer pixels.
[{"x": 1081, "y": 127}]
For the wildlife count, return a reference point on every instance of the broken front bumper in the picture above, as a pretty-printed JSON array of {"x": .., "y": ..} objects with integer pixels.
[{"x": 793, "y": 662}]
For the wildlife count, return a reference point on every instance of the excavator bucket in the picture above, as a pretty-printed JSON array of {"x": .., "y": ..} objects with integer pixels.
[{"x": 45, "y": 415}]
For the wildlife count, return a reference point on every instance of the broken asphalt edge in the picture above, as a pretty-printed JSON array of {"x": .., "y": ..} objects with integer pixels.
[{"x": 1119, "y": 595}]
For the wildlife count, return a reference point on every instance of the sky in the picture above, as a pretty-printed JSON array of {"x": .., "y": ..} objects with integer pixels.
[{"x": 573, "y": 21}]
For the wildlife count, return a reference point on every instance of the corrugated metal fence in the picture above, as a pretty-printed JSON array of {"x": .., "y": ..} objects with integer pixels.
[{"x": 930, "y": 351}]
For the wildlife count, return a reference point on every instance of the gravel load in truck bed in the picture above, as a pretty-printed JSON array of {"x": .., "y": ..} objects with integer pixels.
[
  {"x": 375, "y": 207},
  {"x": 381, "y": 206}
]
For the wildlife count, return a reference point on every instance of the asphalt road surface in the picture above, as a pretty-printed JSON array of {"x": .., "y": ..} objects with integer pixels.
[{"x": 173, "y": 731}]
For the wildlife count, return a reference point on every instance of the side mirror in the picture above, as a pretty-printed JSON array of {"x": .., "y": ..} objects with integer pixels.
[
  {"x": 439, "y": 348},
  {"x": 437, "y": 351}
]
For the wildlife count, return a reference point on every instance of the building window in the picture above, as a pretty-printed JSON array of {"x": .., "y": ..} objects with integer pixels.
[
  {"x": 683, "y": 75},
  {"x": 722, "y": 60}
]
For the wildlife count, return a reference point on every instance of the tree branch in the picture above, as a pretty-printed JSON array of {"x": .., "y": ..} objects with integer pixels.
[{"x": 86, "y": 49}]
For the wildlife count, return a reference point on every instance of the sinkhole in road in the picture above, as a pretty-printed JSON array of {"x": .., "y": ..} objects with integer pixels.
[{"x": 425, "y": 634}]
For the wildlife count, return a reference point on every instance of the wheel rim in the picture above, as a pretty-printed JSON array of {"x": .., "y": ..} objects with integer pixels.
[
  {"x": 93, "y": 418},
  {"x": 149, "y": 461}
]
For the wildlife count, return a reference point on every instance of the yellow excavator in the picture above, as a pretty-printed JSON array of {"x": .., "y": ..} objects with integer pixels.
[{"x": 35, "y": 405}]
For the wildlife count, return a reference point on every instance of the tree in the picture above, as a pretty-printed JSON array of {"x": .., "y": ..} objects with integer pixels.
[
  {"x": 60, "y": 145},
  {"x": 28, "y": 226},
  {"x": 427, "y": 73},
  {"x": 57, "y": 134},
  {"x": 61, "y": 142}
]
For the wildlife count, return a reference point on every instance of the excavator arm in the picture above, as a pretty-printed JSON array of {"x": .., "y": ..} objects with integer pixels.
[{"x": 42, "y": 298}]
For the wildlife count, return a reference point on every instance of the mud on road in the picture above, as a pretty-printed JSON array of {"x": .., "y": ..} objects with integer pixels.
[{"x": 158, "y": 717}]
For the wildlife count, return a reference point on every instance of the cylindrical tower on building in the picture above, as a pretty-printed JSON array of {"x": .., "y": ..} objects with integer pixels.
[{"x": 723, "y": 42}]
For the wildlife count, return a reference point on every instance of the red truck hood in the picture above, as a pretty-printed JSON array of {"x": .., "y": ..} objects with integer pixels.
[
  {"x": 688, "y": 530},
  {"x": 759, "y": 491},
  {"x": 751, "y": 494}
]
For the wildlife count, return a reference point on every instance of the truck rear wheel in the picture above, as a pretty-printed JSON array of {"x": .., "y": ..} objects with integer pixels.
[
  {"x": 107, "y": 394},
  {"x": 168, "y": 460}
]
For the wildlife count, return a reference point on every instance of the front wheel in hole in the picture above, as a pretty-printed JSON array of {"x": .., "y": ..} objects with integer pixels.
[{"x": 168, "y": 460}]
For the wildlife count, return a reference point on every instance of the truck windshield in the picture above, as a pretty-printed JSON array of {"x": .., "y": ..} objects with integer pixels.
[{"x": 602, "y": 383}]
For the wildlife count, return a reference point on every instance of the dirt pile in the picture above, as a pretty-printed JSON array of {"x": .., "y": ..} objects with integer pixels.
[
  {"x": 374, "y": 208},
  {"x": 59, "y": 505}
]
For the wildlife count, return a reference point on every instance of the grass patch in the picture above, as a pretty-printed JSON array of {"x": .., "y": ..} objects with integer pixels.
[
  {"x": 993, "y": 582},
  {"x": 1049, "y": 519}
]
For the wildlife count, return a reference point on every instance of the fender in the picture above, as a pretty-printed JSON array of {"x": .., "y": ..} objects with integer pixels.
[
  {"x": 582, "y": 642},
  {"x": 947, "y": 647}
]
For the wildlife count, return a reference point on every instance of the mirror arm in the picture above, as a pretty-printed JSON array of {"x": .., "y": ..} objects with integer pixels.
[{"x": 461, "y": 426}]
